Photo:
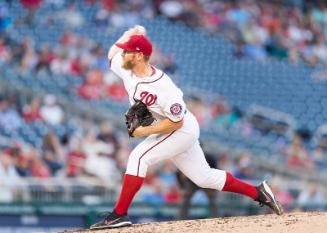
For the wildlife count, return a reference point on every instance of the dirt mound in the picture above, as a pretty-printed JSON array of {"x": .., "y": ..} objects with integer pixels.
[{"x": 314, "y": 222}]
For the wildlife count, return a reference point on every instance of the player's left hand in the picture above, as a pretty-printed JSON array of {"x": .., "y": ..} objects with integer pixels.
[{"x": 139, "y": 132}]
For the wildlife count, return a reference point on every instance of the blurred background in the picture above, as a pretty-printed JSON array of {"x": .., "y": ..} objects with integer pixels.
[{"x": 253, "y": 72}]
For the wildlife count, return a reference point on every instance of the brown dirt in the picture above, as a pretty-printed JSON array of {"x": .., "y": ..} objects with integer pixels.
[{"x": 299, "y": 222}]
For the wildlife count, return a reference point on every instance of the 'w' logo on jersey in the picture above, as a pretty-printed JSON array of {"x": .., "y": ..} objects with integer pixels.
[{"x": 148, "y": 98}]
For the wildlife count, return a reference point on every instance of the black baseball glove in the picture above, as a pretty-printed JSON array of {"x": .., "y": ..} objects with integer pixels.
[{"x": 138, "y": 115}]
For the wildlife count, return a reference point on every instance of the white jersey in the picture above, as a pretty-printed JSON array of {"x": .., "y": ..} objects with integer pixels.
[
  {"x": 162, "y": 97},
  {"x": 165, "y": 100}
]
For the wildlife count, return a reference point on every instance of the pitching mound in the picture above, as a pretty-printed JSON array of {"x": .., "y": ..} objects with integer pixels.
[{"x": 315, "y": 222}]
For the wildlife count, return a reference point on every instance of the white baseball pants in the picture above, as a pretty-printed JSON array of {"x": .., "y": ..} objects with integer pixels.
[{"x": 183, "y": 148}]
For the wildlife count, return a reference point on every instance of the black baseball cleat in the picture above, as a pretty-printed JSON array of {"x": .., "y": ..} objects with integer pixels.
[
  {"x": 266, "y": 197},
  {"x": 112, "y": 220}
]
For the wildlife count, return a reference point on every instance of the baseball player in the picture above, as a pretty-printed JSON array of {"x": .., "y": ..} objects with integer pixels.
[{"x": 173, "y": 135}]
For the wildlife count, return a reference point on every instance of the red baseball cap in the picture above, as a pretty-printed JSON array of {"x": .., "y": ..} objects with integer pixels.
[{"x": 137, "y": 43}]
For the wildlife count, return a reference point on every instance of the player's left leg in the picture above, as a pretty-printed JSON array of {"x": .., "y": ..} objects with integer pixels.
[
  {"x": 194, "y": 165},
  {"x": 152, "y": 150}
]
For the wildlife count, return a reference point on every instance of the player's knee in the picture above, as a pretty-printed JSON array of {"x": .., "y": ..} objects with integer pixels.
[
  {"x": 136, "y": 164},
  {"x": 132, "y": 162},
  {"x": 133, "y": 159},
  {"x": 136, "y": 153},
  {"x": 202, "y": 182},
  {"x": 209, "y": 181}
]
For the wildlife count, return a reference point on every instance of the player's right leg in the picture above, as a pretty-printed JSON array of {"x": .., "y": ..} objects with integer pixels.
[{"x": 194, "y": 165}]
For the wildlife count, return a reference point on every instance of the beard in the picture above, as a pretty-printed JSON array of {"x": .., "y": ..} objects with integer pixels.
[{"x": 128, "y": 65}]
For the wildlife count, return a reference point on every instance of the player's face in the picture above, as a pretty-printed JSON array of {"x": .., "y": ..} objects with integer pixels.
[{"x": 129, "y": 60}]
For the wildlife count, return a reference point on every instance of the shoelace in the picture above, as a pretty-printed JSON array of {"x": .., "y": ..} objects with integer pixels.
[{"x": 104, "y": 214}]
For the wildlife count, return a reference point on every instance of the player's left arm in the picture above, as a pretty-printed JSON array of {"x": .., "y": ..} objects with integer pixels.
[{"x": 163, "y": 127}]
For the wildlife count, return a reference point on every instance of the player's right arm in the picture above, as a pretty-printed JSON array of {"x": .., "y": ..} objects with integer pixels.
[
  {"x": 136, "y": 30},
  {"x": 163, "y": 127},
  {"x": 114, "y": 53}
]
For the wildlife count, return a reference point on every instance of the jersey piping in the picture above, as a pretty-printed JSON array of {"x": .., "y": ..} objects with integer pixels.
[{"x": 146, "y": 83}]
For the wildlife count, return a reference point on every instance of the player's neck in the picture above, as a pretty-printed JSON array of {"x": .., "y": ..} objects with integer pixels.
[{"x": 142, "y": 70}]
